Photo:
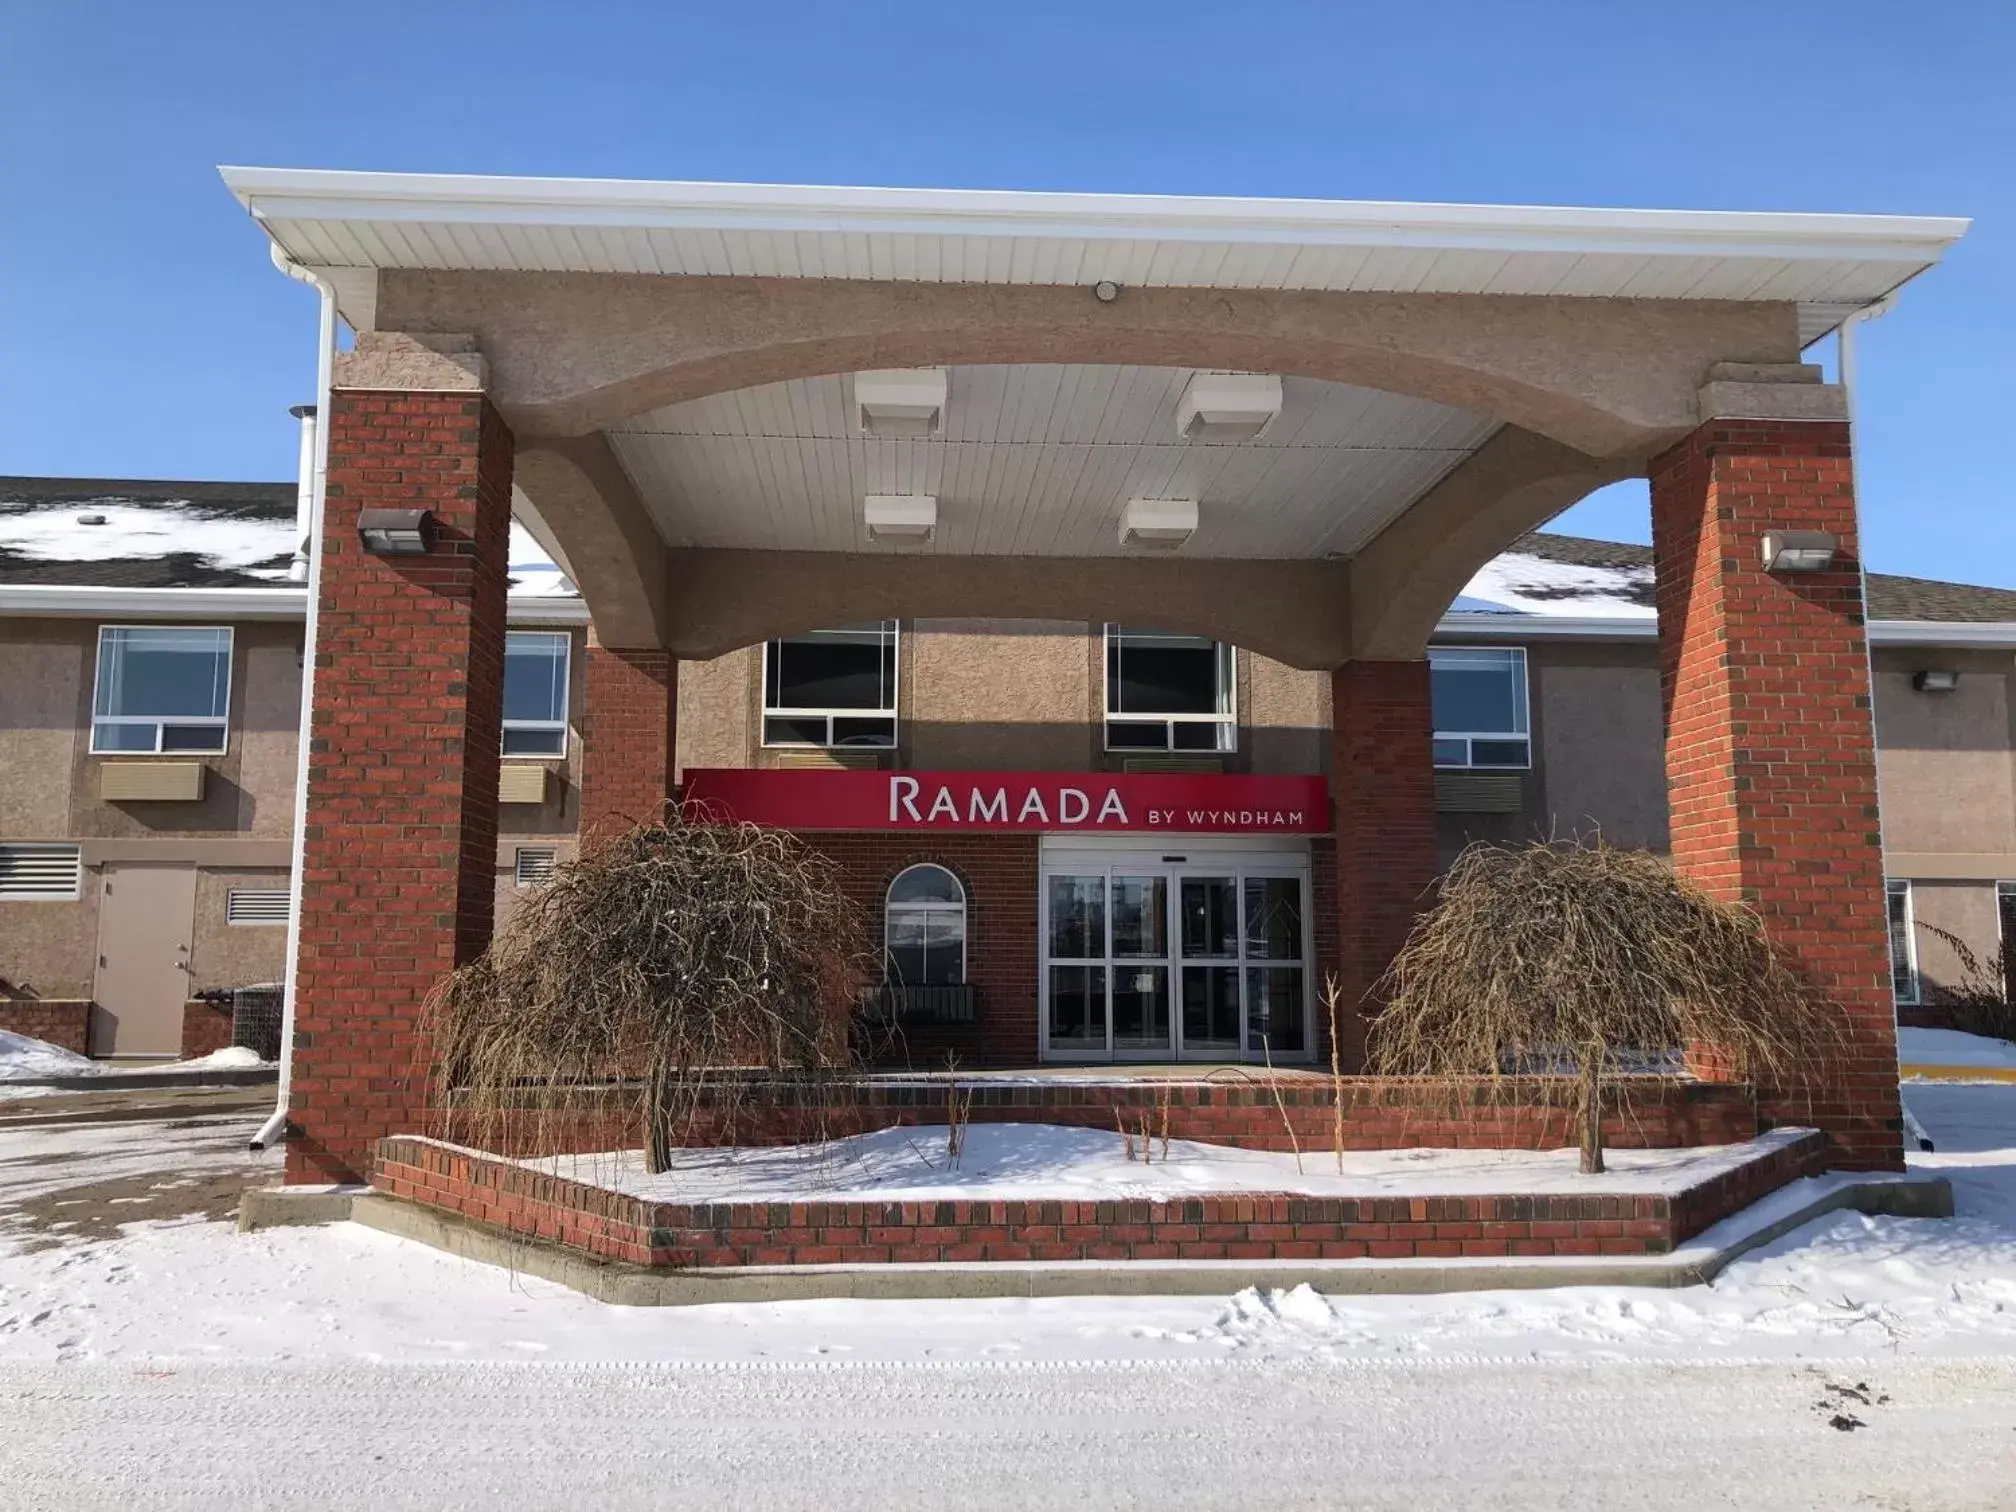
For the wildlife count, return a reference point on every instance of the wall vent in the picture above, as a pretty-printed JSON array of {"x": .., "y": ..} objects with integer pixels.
[
  {"x": 1479, "y": 793},
  {"x": 830, "y": 760},
  {"x": 1192, "y": 764},
  {"x": 50, "y": 873},
  {"x": 255, "y": 905},
  {"x": 521, "y": 782},
  {"x": 535, "y": 864},
  {"x": 150, "y": 781}
]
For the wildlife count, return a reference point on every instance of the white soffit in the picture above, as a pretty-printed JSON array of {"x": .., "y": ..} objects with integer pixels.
[
  {"x": 1040, "y": 460},
  {"x": 1830, "y": 263}
]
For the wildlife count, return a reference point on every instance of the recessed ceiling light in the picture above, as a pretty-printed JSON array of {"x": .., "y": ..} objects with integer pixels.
[
  {"x": 904, "y": 518},
  {"x": 1158, "y": 524},
  {"x": 900, "y": 403},
  {"x": 1228, "y": 406}
]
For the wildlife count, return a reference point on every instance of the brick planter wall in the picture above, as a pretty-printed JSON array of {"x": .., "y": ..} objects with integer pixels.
[
  {"x": 1380, "y": 1114},
  {"x": 206, "y": 1027},
  {"x": 63, "y": 1022},
  {"x": 497, "y": 1193}
]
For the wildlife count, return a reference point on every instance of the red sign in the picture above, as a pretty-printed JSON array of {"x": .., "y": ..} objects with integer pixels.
[{"x": 1175, "y": 803}]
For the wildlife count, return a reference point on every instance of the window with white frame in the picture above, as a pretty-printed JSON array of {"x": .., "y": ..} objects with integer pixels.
[
  {"x": 535, "y": 692},
  {"x": 162, "y": 688},
  {"x": 1478, "y": 694},
  {"x": 41, "y": 873},
  {"x": 1903, "y": 943},
  {"x": 1168, "y": 692},
  {"x": 925, "y": 928},
  {"x": 831, "y": 687}
]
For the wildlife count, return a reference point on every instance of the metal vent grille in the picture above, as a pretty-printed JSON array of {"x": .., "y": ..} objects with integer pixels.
[
  {"x": 830, "y": 760},
  {"x": 41, "y": 871},
  {"x": 1479, "y": 792},
  {"x": 255, "y": 905},
  {"x": 535, "y": 864},
  {"x": 1190, "y": 764}
]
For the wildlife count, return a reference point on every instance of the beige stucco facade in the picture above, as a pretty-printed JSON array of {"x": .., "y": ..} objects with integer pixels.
[{"x": 975, "y": 694}]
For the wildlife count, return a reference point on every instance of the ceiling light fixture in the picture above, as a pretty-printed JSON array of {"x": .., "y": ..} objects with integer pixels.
[
  {"x": 908, "y": 519},
  {"x": 900, "y": 403},
  {"x": 1228, "y": 406},
  {"x": 1158, "y": 524},
  {"x": 1105, "y": 291}
]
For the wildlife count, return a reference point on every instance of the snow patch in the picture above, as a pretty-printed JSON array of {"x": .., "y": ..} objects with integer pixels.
[
  {"x": 135, "y": 529},
  {"x": 1950, "y": 1047},
  {"x": 1527, "y": 584},
  {"x": 22, "y": 1058},
  {"x": 1006, "y": 1162}
]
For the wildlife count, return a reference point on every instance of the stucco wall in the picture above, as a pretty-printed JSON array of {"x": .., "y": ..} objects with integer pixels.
[
  {"x": 720, "y": 708},
  {"x": 1600, "y": 742},
  {"x": 1948, "y": 779},
  {"x": 1284, "y": 716},
  {"x": 223, "y": 954},
  {"x": 1965, "y": 909},
  {"x": 999, "y": 694},
  {"x": 50, "y": 949},
  {"x": 46, "y": 663}
]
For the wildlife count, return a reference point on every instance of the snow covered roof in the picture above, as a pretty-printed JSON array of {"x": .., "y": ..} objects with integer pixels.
[{"x": 127, "y": 533}]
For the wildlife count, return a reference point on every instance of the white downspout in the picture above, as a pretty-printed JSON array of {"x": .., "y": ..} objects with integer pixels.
[
  {"x": 304, "y": 493},
  {"x": 315, "y": 487}
]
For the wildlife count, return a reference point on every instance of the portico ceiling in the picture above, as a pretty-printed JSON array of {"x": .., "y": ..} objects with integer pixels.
[{"x": 1040, "y": 461}]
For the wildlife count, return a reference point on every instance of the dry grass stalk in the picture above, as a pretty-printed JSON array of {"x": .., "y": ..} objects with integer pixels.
[
  {"x": 1120, "y": 1127},
  {"x": 1979, "y": 1000},
  {"x": 1162, "y": 1101},
  {"x": 1585, "y": 958},
  {"x": 958, "y": 1109},
  {"x": 665, "y": 963},
  {"x": 1280, "y": 1103},
  {"x": 1333, "y": 997}
]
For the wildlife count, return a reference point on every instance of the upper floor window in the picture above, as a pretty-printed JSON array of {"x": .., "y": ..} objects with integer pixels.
[
  {"x": 535, "y": 692},
  {"x": 162, "y": 688},
  {"x": 1168, "y": 692},
  {"x": 831, "y": 687},
  {"x": 1479, "y": 698},
  {"x": 1903, "y": 942},
  {"x": 925, "y": 928}
]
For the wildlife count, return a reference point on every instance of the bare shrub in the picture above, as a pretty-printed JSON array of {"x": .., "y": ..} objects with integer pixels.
[
  {"x": 1979, "y": 1001},
  {"x": 666, "y": 963},
  {"x": 1589, "y": 959}
]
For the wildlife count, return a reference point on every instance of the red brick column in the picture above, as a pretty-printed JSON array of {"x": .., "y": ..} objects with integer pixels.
[
  {"x": 399, "y": 875},
  {"x": 1382, "y": 782},
  {"x": 1770, "y": 750},
  {"x": 630, "y": 713}
]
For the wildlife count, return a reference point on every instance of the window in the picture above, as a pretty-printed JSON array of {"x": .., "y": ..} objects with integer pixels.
[
  {"x": 535, "y": 693},
  {"x": 1478, "y": 694},
  {"x": 925, "y": 926},
  {"x": 534, "y": 865},
  {"x": 831, "y": 687},
  {"x": 161, "y": 688},
  {"x": 255, "y": 905},
  {"x": 43, "y": 873},
  {"x": 1903, "y": 943},
  {"x": 1168, "y": 692}
]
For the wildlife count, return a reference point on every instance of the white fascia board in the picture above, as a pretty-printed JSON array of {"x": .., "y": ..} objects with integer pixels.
[
  {"x": 1472, "y": 625},
  {"x": 33, "y": 600},
  {"x": 277, "y": 194}
]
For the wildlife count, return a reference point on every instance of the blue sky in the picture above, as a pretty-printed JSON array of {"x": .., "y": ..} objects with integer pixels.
[{"x": 144, "y": 334}]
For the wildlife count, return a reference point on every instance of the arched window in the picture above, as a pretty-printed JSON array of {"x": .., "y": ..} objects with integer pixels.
[{"x": 925, "y": 928}]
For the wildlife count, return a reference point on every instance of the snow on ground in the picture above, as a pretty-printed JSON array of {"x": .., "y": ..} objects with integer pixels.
[
  {"x": 1949, "y": 1047},
  {"x": 1007, "y": 1162},
  {"x": 1847, "y": 1287},
  {"x": 1537, "y": 585},
  {"x": 22, "y": 1058}
]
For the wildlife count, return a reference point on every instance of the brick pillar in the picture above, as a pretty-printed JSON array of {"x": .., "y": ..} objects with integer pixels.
[
  {"x": 1770, "y": 749},
  {"x": 630, "y": 707},
  {"x": 398, "y": 884},
  {"x": 1382, "y": 782}
]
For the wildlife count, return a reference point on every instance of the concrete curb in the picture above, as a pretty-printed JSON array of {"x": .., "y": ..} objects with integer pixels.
[
  {"x": 1698, "y": 1261},
  {"x": 132, "y": 1081}
]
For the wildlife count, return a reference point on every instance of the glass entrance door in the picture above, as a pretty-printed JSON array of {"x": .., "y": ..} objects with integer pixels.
[{"x": 1199, "y": 962}]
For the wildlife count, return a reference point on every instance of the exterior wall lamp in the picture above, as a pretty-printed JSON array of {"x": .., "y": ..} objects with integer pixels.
[
  {"x": 1939, "y": 681},
  {"x": 396, "y": 532},
  {"x": 1799, "y": 550}
]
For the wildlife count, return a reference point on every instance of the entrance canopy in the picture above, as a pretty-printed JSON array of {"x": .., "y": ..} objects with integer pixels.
[{"x": 706, "y": 385}]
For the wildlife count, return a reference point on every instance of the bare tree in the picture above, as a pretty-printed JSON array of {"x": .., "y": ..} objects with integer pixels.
[
  {"x": 666, "y": 963},
  {"x": 1588, "y": 959}
]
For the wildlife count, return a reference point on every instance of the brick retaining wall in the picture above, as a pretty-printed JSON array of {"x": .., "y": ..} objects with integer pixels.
[
  {"x": 63, "y": 1022},
  {"x": 498, "y": 1193}
]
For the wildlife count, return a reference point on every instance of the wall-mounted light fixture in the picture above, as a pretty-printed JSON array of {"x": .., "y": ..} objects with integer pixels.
[
  {"x": 900, "y": 403},
  {"x": 905, "y": 519},
  {"x": 396, "y": 532},
  {"x": 1940, "y": 680},
  {"x": 1159, "y": 524},
  {"x": 1799, "y": 550}
]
